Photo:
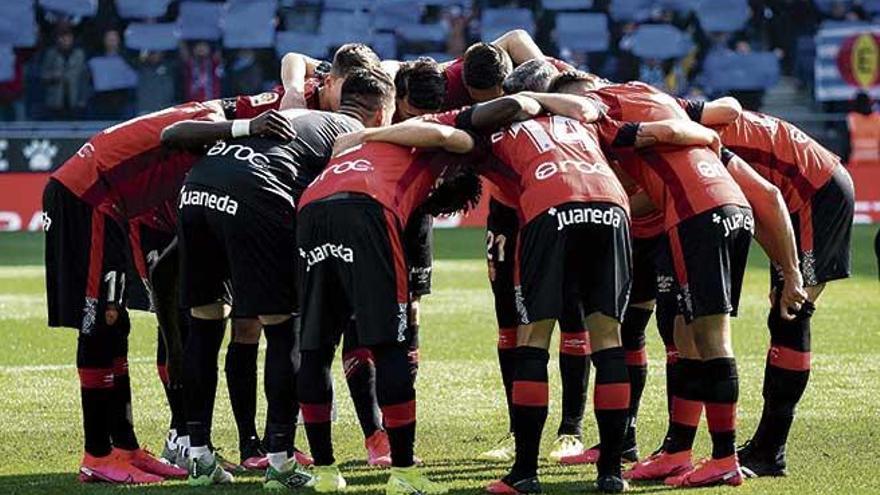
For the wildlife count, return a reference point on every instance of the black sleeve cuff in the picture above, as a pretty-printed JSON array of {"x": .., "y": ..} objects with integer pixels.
[
  {"x": 694, "y": 110},
  {"x": 726, "y": 156},
  {"x": 626, "y": 135},
  {"x": 464, "y": 120},
  {"x": 229, "y": 106}
]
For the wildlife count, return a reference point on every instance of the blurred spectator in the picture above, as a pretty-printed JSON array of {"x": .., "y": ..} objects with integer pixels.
[
  {"x": 245, "y": 73},
  {"x": 64, "y": 77},
  {"x": 112, "y": 103},
  {"x": 457, "y": 21},
  {"x": 12, "y": 90},
  {"x": 157, "y": 82},
  {"x": 202, "y": 72},
  {"x": 863, "y": 122}
]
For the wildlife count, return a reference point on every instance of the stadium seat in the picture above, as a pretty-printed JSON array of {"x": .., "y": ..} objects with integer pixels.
[
  {"x": 728, "y": 70},
  {"x": 438, "y": 56},
  {"x": 825, "y": 6},
  {"x": 76, "y": 8},
  {"x": 683, "y": 6},
  {"x": 200, "y": 20},
  {"x": 660, "y": 41},
  {"x": 567, "y": 4},
  {"x": 630, "y": 10},
  {"x": 832, "y": 24},
  {"x": 385, "y": 45},
  {"x": 111, "y": 73},
  {"x": 18, "y": 24},
  {"x": 7, "y": 63},
  {"x": 496, "y": 22},
  {"x": 350, "y": 5},
  {"x": 141, "y": 9},
  {"x": 582, "y": 32},
  {"x": 871, "y": 6},
  {"x": 345, "y": 27},
  {"x": 151, "y": 36},
  {"x": 723, "y": 16},
  {"x": 435, "y": 33},
  {"x": 388, "y": 15},
  {"x": 311, "y": 44},
  {"x": 249, "y": 25}
]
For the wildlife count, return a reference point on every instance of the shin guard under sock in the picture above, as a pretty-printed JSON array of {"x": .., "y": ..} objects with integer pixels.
[
  {"x": 241, "y": 380},
  {"x": 687, "y": 405},
  {"x": 574, "y": 371},
  {"x": 786, "y": 374},
  {"x": 315, "y": 393},
  {"x": 611, "y": 401},
  {"x": 529, "y": 397},
  {"x": 397, "y": 399},
  {"x": 200, "y": 381},
  {"x": 280, "y": 384},
  {"x": 721, "y": 393},
  {"x": 632, "y": 332},
  {"x": 506, "y": 362}
]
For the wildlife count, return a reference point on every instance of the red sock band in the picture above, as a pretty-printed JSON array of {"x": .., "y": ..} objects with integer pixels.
[
  {"x": 608, "y": 396},
  {"x": 95, "y": 378},
  {"x": 575, "y": 344},
  {"x": 316, "y": 413},
  {"x": 163, "y": 373},
  {"x": 721, "y": 416},
  {"x": 120, "y": 366},
  {"x": 636, "y": 358},
  {"x": 533, "y": 394},
  {"x": 789, "y": 359},
  {"x": 397, "y": 415},
  {"x": 686, "y": 412},
  {"x": 506, "y": 338}
]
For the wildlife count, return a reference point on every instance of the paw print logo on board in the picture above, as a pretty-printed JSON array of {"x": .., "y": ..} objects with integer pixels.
[{"x": 39, "y": 153}]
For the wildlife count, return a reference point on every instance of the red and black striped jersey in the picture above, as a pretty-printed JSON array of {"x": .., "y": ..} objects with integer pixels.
[
  {"x": 681, "y": 181},
  {"x": 783, "y": 154}
]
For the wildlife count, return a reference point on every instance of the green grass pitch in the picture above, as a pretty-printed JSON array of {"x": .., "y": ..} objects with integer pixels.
[{"x": 834, "y": 447}]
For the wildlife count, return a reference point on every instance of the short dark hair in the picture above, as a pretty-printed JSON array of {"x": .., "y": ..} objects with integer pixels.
[
  {"x": 568, "y": 77},
  {"x": 534, "y": 75},
  {"x": 367, "y": 90},
  {"x": 422, "y": 83},
  {"x": 351, "y": 56},
  {"x": 485, "y": 66}
]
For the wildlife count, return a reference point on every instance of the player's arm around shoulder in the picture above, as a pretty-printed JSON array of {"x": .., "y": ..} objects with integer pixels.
[
  {"x": 192, "y": 134},
  {"x": 676, "y": 132},
  {"x": 414, "y": 132}
]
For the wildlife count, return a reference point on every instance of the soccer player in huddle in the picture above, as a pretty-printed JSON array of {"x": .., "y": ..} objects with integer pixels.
[
  {"x": 239, "y": 197},
  {"x": 818, "y": 194},
  {"x": 709, "y": 222},
  {"x": 121, "y": 173}
]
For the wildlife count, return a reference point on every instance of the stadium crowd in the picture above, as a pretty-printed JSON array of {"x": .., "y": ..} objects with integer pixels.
[
  {"x": 304, "y": 214},
  {"x": 62, "y": 74}
]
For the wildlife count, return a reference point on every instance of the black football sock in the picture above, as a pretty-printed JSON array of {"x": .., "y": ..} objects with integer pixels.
[
  {"x": 786, "y": 374},
  {"x": 687, "y": 405},
  {"x": 632, "y": 332},
  {"x": 397, "y": 398},
  {"x": 574, "y": 372},
  {"x": 721, "y": 393},
  {"x": 94, "y": 362},
  {"x": 241, "y": 380},
  {"x": 121, "y": 426},
  {"x": 412, "y": 351},
  {"x": 611, "y": 399},
  {"x": 360, "y": 375},
  {"x": 530, "y": 397},
  {"x": 507, "y": 361},
  {"x": 200, "y": 380},
  {"x": 282, "y": 366},
  {"x": 173, "y": 392},
  {"x": 315, "y": 392},
  {"x": 665, "y": 316}
]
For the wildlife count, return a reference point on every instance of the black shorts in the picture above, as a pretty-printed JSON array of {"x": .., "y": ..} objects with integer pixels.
[
  {"x": 708, "y": 254},
  {"x": 147, "y": 244},
  {"x": 352, "y": 264},
  {"x": 418, "y": 244},
  {"x": 646, "y": 254},
  {"x": 576, "y": 253},
  {"x": 254, "y": 249},
  {"x": 502, "y": 230},
  {"x": 823, "y": 228},
  {"x": 86, "y": 258}
]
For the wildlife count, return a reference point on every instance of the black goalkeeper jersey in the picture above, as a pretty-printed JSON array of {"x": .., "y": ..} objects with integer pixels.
[{"x": 268, "y": 173}]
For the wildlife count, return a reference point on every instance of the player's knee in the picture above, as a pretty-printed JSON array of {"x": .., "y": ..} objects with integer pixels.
[
  {"x": 246, "y": 330},
  {"x": 536, "y": 334},
  {"x": 711, "y": 334},
  {"x": 274, "y": 319},
  {"x": 213, "y": 311},
  {"x": 604, "y": 332}
]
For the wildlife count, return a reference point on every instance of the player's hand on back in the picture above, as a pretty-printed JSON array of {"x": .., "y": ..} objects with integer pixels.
[{"x": 272, "y": 124}]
